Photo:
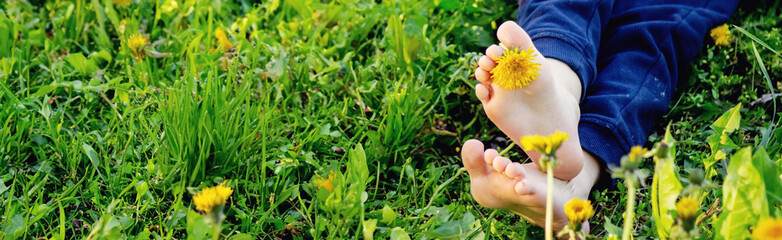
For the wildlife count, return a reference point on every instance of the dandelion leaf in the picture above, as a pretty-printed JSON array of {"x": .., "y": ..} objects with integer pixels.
[
  {"x": 725, "y": 124},
  {"x": 665, "y": 188},
  {"x": 744, "y": 198},
  {"x": 770, "y": 173}
]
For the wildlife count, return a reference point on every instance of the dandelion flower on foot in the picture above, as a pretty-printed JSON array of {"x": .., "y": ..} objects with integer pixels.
[{"x": 515, "y": 69}]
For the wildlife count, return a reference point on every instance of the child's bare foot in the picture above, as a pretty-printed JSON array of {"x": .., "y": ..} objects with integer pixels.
[
  {"x": 548, "y": 104},
  {"x": 498, "y": 183}
]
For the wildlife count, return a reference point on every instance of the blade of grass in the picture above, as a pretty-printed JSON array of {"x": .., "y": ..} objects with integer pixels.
[
  {"x": 756, "y": 39},
  {"x": 770, "y": 86}
]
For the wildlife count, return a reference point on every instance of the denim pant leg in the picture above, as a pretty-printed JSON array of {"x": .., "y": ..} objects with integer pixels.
[{"x": 642, "y": 50}]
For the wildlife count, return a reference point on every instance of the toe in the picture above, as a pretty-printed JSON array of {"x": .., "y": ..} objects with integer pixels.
[
  {"x": 486, "y": 63},
  {"x": 482, "y": 75},
  {"x": 526, "y": 187},
  {"x": 493, "y": 52},
  {"x": 482, "y": 92},
  {"x": 511, "y": 34},
  {"x": 472, "y": 152},
  {"x": 489, "y": 155},
  {"x": 514, "y": 171},
  {"x": 521, "y": 188},
  {"x": 500, "y": 163}
]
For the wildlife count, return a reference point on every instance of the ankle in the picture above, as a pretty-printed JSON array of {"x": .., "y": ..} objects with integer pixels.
[{"x": 590, "y": 172}]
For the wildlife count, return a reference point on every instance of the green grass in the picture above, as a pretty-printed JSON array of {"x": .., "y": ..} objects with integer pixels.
[{"x": 376, "y": 95}]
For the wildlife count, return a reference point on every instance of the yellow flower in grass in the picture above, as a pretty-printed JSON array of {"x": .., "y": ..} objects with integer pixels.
[
  {"x": 768, "y": 229},
  {"x": 136, "y": 44},
  {"x": 578, "y": 211},
  {"x": 687, "y": 208},
  {"x": 123, "y": 3},
  {"x": 721, "y": 35},
  {"x": 515, "y": 69},
  {"x": 324, "y": 182},
  {"x": 544, "y": 145},
  {"x": 208, "y": 199},
  {"x": 222, "y": 39},
  {"x": 637, "y": 153}
]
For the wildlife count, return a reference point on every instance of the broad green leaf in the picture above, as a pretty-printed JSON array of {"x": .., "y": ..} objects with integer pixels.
[
  {"x": 242, "y": 236},
  {"x": 744, "y": 198},
  {"x": 141, "y": 188},
  {"x": 368, "y": 228},
  {"x": 107, "y": 227},
  {"x": 93, "y": 156},
  {"x": 666, "y": 188},
  {"x": 14, "y": 227},
  {"x": 454, "y": 229},
  {"x": 770, "y": 173},
  {"x": 725, "y": 124},
  {"x": 611, "y": 228},
  {"x": 357, "y": 160},
  {"x": 79, "y": 62},
  {"x": 399, "y": 233},
  {"x": 197, "y": 227},
  {"x": 45, "y": 89},
  {"x": 448, "y": 5},
  {"x": 729, "y": 121},
  {"x": 388, "y": 214},
  {"x": 3, "y": 188}
]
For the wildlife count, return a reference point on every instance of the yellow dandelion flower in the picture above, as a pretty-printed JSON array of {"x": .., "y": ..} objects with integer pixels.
[
  {"x": 768, "y": 229},
  {"x": 123, "y": 3},
  {"x": 515, "y": 69},
  {"x": 206, "y": 200},
  {"x": 136, "y": 44},
  {"x": 324, "y": 182},
  {"x": 578, "y": 211},
  {"x": 222, "y": 39},
  {"x": 637, "y": 153},
  {"x": 687, "y": 208},
  {"x": 545, "y": 145},
  {"x": 721, "y": 35}
]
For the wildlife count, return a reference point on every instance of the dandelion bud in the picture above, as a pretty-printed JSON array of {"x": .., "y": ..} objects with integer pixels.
[
  {"x": 696, "y": 176},
  {"x": 686, "y": 210}
]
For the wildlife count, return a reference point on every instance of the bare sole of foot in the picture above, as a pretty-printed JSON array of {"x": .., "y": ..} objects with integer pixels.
[
  {"x": 498, "y": 183},
  {"x": 548, "y": 104}
]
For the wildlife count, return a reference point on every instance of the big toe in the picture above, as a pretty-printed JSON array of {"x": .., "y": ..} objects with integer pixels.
[
  {"x": 511, "y": 34},
  {"x": 472, "y": 157}
]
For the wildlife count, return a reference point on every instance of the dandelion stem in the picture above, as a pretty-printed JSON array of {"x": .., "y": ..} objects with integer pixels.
[
  {"x": 512, "y": 144},
  {"x": 629, "y": 213},
  {"x": 549, "y": 200}
]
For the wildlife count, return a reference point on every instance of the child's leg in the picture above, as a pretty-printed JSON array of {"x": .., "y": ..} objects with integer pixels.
[
  {"x": 619, "y": 87},
  {"x": 545, "y": 106},
  {"x": 563, "y": 30},
  {"x": 549, "y": 103},
  {"x": 644, "y": 45}
]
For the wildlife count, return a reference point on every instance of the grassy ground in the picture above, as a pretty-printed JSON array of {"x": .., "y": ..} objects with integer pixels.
[{"x": 329, "y": 120}]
